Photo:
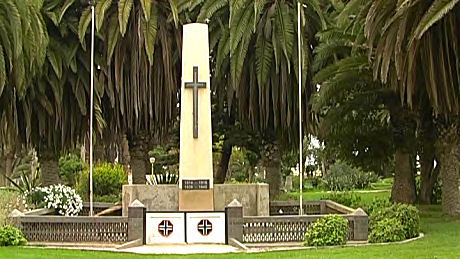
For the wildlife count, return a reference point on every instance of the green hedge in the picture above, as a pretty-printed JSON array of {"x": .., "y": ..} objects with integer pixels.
[
  {"x": 108, "y": 180},
  {"x": 327, "y": 231},
  {"x": 407, "y": 216},
  {"x": 387, "y": 230}
]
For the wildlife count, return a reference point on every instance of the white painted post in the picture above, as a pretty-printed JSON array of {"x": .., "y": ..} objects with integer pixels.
[
  {"x": 91, "y": 117},
  {"x": 299, "y": 44}
]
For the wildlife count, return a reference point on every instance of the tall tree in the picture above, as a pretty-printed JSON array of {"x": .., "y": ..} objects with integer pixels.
[
  {"x": 416, "y": 45},
  {"x": 358, "y": 114},
  {"x": 139, "y": 47},
  {"x": 256, "y": 66},
  {"x": 23, "y": 43}
]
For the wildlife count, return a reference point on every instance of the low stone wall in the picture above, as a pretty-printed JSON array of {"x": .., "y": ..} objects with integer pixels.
[
  {"x": 82, "y": 229},
  {"x": 291, "y": 228},
  {"x": 254, "y": 197}
]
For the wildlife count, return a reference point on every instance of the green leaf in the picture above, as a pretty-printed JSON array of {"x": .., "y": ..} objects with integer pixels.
[
  {"x": 264, "y": 58},
  {"x": 285, "y": 30},
  {"x": 146, "y": 8},
  {"x": 100, "y": 9},
  {"x": 209, "y": 8},
  {"x": 85, "y": 19},
  {"x": 56, "y": 62},
  {"x": 174, "y": 12},
  {"x": 113, "y": 34},
  {"x": 124, "y": 10},
  {"x": 437, "y": 10},
  {"x": 64, "y": 8},
  {"x": 150, "y": 29}
]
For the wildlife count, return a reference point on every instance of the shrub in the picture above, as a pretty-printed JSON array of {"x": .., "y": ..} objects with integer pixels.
[
  {"x": 342, "y": 176},
  {"x": 377, "y": 204},
  {"x": 69, "y": 167},
  {"x": 345, "y": 198},
  {"x": 108, "y": 180},
  {"x": 387, "y": 230},
  {"x": 327, "y": 231},
  {"x": 11, "y": 236},
  {"x": 406, "y": 215},
  {"x": 60, "y": 197}
]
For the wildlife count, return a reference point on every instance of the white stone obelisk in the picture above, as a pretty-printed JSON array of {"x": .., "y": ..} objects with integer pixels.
[{"x": 195, "y": 159}]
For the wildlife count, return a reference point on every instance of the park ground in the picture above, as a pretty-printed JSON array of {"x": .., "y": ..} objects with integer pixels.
[{"x": 441, "y": 240}]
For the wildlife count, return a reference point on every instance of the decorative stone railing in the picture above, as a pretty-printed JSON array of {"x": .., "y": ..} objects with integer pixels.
[
  {"x": 80, "y": 229},
  {"x": 291, "y": 228}
]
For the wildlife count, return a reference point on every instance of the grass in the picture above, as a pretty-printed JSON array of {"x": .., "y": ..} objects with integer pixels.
[
  {"x": 317, "y": 195},
  {"x": 442, "y": 235},
  {"x": 378, "y": 190}
]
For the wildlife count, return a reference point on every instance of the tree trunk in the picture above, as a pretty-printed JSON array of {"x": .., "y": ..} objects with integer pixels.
[
  {"x": 403, "y": 126},
  {"x": 98, "y": 152},
  {"x": 139, "y": 153},
  {"x": 403, "y": 190},
  {"x": 427, "y": 153},
  {"x": 448, "y": 146},
  {"x": 272, "y": 164},
  {"x": 125, "y": 155},
  {"x": 49, "y": 167},
  {"x": 223, "y": 163},
  {"x": 428, "y": 177}
]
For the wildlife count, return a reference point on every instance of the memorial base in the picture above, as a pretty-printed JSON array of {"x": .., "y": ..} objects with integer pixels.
[
  {"x": 196, "y": 200},
  {"x": 254, "y": 197}
]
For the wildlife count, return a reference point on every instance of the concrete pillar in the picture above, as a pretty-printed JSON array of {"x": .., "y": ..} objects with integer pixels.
[
  {"x": 361, "y": 225},
  {"x": 234, "y": 211},
  {"x": 136, "y": 221},
  {"x": 322, "y": 207}
]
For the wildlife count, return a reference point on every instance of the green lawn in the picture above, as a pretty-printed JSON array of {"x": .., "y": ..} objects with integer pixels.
[
  {"x": 442, "y": 240},
  {"x": 378, "y": 190},
  {"x": 317, "y": 195}
]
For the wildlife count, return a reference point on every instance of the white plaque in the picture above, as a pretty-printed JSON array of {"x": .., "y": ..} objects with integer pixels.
[
  {"x": 165, "y": 228},
  {"x": 206, "y": 227}
]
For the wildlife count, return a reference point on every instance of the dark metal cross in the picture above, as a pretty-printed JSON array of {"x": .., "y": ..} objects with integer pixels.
[
  {"x": 204, "y": 227},
  {"x": 165, "y": 228},
  {"x": 195, "y": 85}
]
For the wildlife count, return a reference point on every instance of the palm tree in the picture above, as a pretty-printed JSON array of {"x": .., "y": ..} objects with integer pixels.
[
  {"x": 255, "y": 66},
  {"x": 23, "y": 44},
  {"x": 349, "y": 98},
  {"x": 139, "y": 46},
  {"x": 416, "y": 46}
]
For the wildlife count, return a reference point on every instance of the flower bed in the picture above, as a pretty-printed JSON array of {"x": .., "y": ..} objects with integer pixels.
[{"x": 59, "y": 197}]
